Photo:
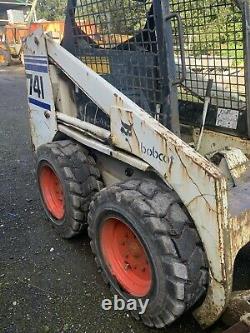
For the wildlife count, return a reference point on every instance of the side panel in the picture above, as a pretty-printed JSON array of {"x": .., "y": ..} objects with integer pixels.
[{"x": 40, "y": 95}]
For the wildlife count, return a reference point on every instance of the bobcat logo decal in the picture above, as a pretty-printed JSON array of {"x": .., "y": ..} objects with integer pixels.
[{"x": 126, "y": 129}]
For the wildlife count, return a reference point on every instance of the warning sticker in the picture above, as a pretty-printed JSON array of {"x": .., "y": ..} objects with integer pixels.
[{"x": 227, "y": 118}]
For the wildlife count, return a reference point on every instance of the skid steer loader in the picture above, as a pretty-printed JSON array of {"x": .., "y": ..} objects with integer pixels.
[{"x": 140, "y": 121}]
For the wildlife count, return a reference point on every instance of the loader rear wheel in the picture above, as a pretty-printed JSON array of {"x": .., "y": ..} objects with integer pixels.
[
  {"x": 52, "y": 191},
  {"x": 68, "y": 180},
  {"x": 147, "y": 247}
]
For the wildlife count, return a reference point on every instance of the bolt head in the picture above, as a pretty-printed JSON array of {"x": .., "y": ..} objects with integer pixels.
[{"x": 46, "y": 114}]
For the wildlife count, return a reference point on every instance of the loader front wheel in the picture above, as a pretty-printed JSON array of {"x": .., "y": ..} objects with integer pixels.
[
  {"x": 147, "y": 247},
  {"x": 68, "y": 180}
]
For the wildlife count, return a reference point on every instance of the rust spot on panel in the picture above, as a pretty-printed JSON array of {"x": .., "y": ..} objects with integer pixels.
[
  {"x": 239, "y": 210},
  {"x": 118, "y": 101},
  {"x": 240, "y": 232},
  {"x": 214, "y": 141},
  {"x": 209, "y": 306},
  {"x": 171, "y": 160},
  {"x": 186, "y": 174},
  {"x": 200, "y": 161},
  {"x": 238, "y": 306}
]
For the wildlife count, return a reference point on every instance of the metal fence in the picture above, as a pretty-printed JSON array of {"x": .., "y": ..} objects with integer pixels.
[
  {"x": 120, "y": 41},
  {"x": 117, "y": 39},
  {"x": 214, "y": 49}
]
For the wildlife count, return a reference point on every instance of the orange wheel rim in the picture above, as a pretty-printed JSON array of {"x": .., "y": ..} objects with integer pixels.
[
  {"x": 52, "y": 192},
  {"x": 126, "y": 257}
]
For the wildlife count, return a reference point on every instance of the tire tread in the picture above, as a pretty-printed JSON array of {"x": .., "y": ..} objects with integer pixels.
[
  {"x": 169, "y": 226},
  {"x": 81, "y": 176}
]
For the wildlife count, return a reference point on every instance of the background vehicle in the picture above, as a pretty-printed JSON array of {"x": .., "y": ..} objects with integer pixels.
[
  {"x": 14, "y": 34},
  {"x": 4, "y": 54},
  {"x": 141, "y": 129}
]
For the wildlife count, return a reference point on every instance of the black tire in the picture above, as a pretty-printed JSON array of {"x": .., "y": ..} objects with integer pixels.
[
  {"x": 169, "y": 238},
  {"x": 80, "y": 179}
]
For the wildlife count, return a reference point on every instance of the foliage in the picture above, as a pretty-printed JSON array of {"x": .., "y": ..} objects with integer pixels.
[
  {"x": 51, "y": 9},
  {"x": 117, "y": 16},
  {"x": 212, "y": 27}
]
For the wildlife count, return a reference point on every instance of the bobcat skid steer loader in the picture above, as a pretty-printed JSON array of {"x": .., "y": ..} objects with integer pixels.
[{"x": 140, "y": 121}]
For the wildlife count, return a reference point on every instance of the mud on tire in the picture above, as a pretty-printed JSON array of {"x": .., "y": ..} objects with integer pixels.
[
  {"x": 170, "y": 239},
  {"x": 80, "y": 181}
]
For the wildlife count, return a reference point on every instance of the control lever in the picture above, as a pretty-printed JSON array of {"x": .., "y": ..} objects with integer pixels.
[{"x": 205, "y": 109}]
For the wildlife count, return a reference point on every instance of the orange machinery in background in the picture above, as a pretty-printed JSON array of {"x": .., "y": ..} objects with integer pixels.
[
  {"x": 12, "y": 38},
  {"x": 55, "y": 27},
  {"x": 14, "y": 34}
]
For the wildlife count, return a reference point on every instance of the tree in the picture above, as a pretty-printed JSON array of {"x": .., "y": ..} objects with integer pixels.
[
  {"x": 116, "y": 16},
  {"x": 51, "y": 9},
  {"x": 212, "y": 27}
]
